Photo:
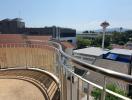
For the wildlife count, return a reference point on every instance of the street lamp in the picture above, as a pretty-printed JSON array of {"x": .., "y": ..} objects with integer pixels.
[{"x": 104, "y": 25}]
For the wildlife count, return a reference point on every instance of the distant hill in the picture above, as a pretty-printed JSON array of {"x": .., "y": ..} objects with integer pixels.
[
  {"x": 112, "y": 30},
  {"x": 108, "y": 30}
]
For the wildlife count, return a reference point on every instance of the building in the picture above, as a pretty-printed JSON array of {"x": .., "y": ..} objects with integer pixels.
[
  {"x": 36, "y": 31},
  {"x": 66, "y": 34},
  {"x": 89, "y": 54},
  {"x": 89, "y": 35},
  {"x": 58, "y": 33},
  {"x": 16, "y": 26},
  {"x": 121, "y": 55},
  {"x": 92, "y": 35},
  {"x": 11, "y": 26}
]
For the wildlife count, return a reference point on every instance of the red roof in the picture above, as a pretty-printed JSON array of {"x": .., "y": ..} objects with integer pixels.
[
  {"x": 2, "y": 36},
  {"x": 11, "y": 38},
  {"x": 21, "y": 38},
  {"x": 47, "y": 38}
]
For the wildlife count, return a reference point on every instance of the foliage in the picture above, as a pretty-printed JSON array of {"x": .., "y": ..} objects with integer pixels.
[
  {"x": 116, "y": 38},
  {"x": 96, "y": 93},
  {"x": 82, "y": 43},
  {"x": 98, "y": 41},
  {"x": 121, "y": 38}
]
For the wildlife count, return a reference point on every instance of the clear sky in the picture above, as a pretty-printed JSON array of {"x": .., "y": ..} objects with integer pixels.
[{"x": 78, "y": 14}]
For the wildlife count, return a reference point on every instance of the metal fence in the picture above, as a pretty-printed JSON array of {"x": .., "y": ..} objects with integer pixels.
[{"x": 49, "y": 56}]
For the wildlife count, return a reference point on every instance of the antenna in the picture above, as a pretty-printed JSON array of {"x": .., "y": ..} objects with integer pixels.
[{"x": 19, "y": 14}]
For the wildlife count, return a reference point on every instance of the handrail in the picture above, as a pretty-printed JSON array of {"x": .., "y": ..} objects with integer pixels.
[
  {"x": 104, "y": 71},
  {"x": 96, "y": 85},
  {"x": 107, "y": 72},
  {"x": 37, "y": 70}
]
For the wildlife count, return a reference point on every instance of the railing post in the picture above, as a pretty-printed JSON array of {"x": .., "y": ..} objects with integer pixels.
[
  {"x": 78, "y": 93},
  {"x": 60, "y": 81},
  {"x": 59, "y": 66},
  {"x": 88, "y": 91},
  {"x": 1, "y": 54},
  {"x": 65, "y": 84},
  {"x": 6, "y": 62},
  {"x": 62, "y": 84},
  {"x": 71, "y": 86},
  {"x": 104, "y": 89},
  {"x": 25, "y": 45}
]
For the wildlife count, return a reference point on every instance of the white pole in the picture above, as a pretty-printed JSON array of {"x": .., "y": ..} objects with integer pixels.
[
  {"x": 103, "y": 38},
  {"x": 104, "y": 25}
]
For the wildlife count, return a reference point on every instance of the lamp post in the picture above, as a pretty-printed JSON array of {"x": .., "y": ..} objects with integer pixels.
[{"x": 104, "y": 25}]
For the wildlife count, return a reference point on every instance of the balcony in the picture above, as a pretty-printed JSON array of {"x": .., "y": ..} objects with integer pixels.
[{"x": 45, "y": 65}]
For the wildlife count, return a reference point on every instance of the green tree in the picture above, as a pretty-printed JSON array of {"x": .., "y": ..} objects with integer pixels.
[
  {"x": 96, "y": 93},
  {"x": 121, "y": 38},
  {"x": 82, "y": 43},
  {"x": 98, "y": 41}
]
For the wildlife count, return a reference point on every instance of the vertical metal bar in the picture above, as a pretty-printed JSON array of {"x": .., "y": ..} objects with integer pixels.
[
  {"x": 78, "y": 93},
  {"x": 0, "y": 53},
  {"x": 88, "y": 91},
  {"x": 12, "y": 54},
  {"x": 25, "y": 46},
  {"x": 71, "y": 86},
  {"x": 15, "y": 55},
  {"x": 47, "y": 57},
  {"x": 57, "y": 64},
  {"x": 27, "y": 55},
  {"x": 62, "y": 82},
  {"x": 104, "y": 89},
  {"x": 60, "y": 66},
  {"x": 10, "y": 64},
  {"x": 31, "y": 59},
  {"x": 60, "y": 76},
  {"x": 42, "y": 60},
  {"x": 37, "y": 51},
  {"x": 43, "y": 50},
  {"x": 65, "y": 84},
  {"x": 17, "y": 52},
  {"x": 5, "y": 60}
]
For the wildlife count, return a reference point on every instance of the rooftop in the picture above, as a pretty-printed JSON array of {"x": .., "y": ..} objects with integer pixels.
[
  {"x": 94, "y": 51},
  {"x": 122, "y": 51}
]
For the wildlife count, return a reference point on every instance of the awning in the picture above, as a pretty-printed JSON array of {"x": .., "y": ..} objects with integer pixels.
[{"x": 112, "y": 56}]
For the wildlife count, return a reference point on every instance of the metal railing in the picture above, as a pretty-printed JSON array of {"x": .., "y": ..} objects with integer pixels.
[
  {"x": 76, "y": 63},
  {"x": 50, "y": 56}
]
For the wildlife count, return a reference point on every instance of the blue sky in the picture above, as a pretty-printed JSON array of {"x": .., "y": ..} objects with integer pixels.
[{"x": 78, "y": 14}]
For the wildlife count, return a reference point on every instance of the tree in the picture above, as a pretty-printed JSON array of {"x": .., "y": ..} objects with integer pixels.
[
  {"x": 121, "y": 38},
  {"x": 82, "y": 43},
  {"x": 98, "y": 41},
  {"x": 96, "y": 93},
  {"x": 86, "y": 31}
]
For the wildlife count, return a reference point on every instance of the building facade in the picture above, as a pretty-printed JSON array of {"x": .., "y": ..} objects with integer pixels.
[
  {"x": 11, "y": 26},
  {"x": 16, "y": 26}
]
